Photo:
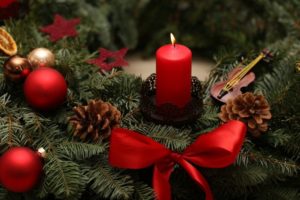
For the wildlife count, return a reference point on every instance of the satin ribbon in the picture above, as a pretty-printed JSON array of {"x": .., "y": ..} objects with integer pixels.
[{"x": 216, "y": 149}]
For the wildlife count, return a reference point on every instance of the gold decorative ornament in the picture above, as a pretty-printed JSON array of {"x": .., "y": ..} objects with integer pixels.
[
  {"x": 41, "y": 57},
  {"x": 16, "y": 68}
]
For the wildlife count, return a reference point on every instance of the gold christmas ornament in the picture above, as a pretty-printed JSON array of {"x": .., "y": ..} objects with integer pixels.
[
  {"x": 249, "y": 108},
  {"x": 95, "y": 120},
  {"x": 7, "y": 43},
  {"x": 41, "y": 57},
  {"x": 16, "y": 68}
]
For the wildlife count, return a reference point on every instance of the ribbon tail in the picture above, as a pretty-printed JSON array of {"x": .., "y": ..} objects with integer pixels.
[
  {"x": 161, "y": 183},
  {"x": 198, "y": 178}
]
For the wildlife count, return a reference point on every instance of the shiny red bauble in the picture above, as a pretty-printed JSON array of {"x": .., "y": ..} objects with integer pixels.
[
  {"x": 20, "y": 169},
  {"x": 45, "y": 89}
]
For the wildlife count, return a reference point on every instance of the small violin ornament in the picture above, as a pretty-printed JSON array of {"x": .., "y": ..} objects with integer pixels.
[{"x": 237, "y": 79}]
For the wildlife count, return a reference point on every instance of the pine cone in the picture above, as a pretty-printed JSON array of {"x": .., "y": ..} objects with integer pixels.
[
  {"x": 95, "y": 120},
  {"x": 252, "y": 109}
]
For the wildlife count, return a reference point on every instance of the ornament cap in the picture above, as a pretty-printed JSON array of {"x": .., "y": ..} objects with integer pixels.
[{"x": 42, "y": 152}]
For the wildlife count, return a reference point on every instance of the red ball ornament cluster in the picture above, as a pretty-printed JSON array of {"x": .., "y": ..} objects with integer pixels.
[
  {"x": 44, "y": 87},
  {"x": 20, "y": 169}
]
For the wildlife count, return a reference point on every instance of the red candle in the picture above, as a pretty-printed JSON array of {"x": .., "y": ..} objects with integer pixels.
[{"x": 173, "y": 74}]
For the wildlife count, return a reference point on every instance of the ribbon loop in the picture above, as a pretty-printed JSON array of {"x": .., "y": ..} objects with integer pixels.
[{"x": 216, "y": 149}]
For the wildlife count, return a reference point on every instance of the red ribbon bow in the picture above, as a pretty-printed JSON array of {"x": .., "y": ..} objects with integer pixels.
[{"x": 216, "y": 149}]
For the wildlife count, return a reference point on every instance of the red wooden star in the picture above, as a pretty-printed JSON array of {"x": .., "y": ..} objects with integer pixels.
[
  {"x": 110, "y": 59},
  {"x": 61, "y": 28}
]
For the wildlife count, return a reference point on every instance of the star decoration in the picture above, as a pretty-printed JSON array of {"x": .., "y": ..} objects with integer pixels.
[
  {"x": 61, "y": 28},
  {"x": 110, "y": 59}
]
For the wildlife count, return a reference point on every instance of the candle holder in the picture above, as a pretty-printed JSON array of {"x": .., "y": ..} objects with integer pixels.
[{"x": 169, "y": 113}]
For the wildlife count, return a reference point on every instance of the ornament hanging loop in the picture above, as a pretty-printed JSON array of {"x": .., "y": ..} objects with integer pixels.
[{"x": 42, "y": 152}]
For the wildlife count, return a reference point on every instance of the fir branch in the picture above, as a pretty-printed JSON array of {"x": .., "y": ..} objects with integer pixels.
[
  {"x": 49, "y": 138},
  {"x": 143, "y": 192},
  {"x": 79, "y": 151},
  {"x": 126, "y": 93},
  {"x": 108, "y": 183},
  {"x": 286, "y": 167},
  {"x": 250, "y": 176},
  {"x": 209, "y": 118},
  {"x": 34, "y": 122},
  {"x": 172, "y": 138},
  {"x": 276, "y": 192},
  {"x": 10, "y": 130},
  {"x": 277, "y": 138},
  {"x": 293, "y": 147},
  {"x": 4, "y": 103},
  {"x": 275, "y": 85},
  {"x": 132, "y": 120},
  {"x": 14, "y": 196},
  {"x": 3, "y": 193},
  {"x": 63, "y": 178}
]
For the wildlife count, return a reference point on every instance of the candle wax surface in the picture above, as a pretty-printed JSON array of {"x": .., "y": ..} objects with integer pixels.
[{"x": 173, "y": 71}]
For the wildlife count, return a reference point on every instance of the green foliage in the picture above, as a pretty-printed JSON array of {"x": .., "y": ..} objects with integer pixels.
[
  {"x": 278, "y": 192},
  {"x": 279, "y": 81},
  {"x": 209, "y": 118},
  {"x": 172, "y": 138},
  {"x": 109, "y": 183},
  {"x": 64, "y": 178},
  {"x": 108, "y": 24},
  {"x": 267, "y": 167},
  {"x": 3, "y": 193},
  {"x": 143, "y": 191},
  {"x": 123, "y": 90},
  {"x": 278, "y": 138},
  {"x": 80, "y": 151}
]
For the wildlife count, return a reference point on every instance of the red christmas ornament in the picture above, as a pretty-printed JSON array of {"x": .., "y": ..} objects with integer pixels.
[
  {"x": 110, "y": 59},
  {"x": 61, "y": 28},
  {"x": 20, "y": 169},
  {"x": 9, "y": 8},
  {"x": 6, "y": 3},
  {"x": 45, "y": 89}
]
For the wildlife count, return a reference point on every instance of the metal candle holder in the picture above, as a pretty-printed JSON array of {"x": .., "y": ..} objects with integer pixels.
[{"x": 169, "y": 113}]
